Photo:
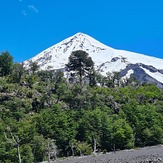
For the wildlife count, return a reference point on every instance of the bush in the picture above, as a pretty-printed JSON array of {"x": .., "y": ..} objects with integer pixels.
[{"x": 84, "y": 148}]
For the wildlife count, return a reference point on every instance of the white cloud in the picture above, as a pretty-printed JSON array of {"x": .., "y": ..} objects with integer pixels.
[
  {"x": 24, "y": 13},
  {"x": 33, "y": 8},
  {"x": 29, "y": 9}
]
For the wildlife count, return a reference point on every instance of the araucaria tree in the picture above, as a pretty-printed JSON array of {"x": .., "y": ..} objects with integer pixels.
[{"x": 80, "y": 64}]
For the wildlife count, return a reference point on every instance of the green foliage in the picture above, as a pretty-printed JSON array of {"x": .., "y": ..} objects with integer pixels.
[
  {"x": 83, "y": 149},
  {"x": 90, "y": 126},
  {"x": 6, "y": 63},
  {"x": 122, "y": 134},
  {"x": 42, "y": 106},
  {"x": 26, "y": 152},
  {"x": 33, "y": 66},
  {"x": 17, "y": 73},
  {"x": 39, "y": 148}
]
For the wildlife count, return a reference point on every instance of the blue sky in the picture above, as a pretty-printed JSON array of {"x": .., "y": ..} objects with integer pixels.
[{"x": 30, "y": 26}]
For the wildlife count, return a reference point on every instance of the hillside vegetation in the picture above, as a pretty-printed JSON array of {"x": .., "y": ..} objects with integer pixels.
[{"x": 44, "y": 115}]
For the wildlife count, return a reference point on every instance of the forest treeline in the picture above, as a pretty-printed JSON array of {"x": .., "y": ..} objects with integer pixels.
[{"x": 45, "y": 115}]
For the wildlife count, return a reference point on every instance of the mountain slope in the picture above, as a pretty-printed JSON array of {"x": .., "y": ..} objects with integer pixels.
[{"x": 106, "y": 59}]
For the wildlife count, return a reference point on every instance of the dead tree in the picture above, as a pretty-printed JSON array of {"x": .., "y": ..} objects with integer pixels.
[
  {"x": 14, "y": 140},
  {"x": 51, "y": 150},
  {"x": 72, "y": 145},
  {"x": 94, "y": 145}
]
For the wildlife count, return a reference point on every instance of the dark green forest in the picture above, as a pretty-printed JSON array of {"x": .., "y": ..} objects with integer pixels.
[{"x": 45, "y": 115}]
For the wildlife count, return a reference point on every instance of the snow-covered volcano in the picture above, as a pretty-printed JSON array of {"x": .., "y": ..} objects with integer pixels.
[{"x": 106, "y": 59}]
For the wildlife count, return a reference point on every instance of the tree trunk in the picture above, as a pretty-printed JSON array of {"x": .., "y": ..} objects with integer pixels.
[
  {"x": 48, "y": 151},
  {"x": 72, "y": 149},
  {"x": 94, "y": 145},
  {"x": 80, "y": 152},
  {"x": 18, "y": 151},
  {"x": 114, "y": 147}
]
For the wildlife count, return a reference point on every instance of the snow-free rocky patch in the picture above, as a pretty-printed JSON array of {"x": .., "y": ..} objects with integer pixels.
[{"x": 152, "y": 154}]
